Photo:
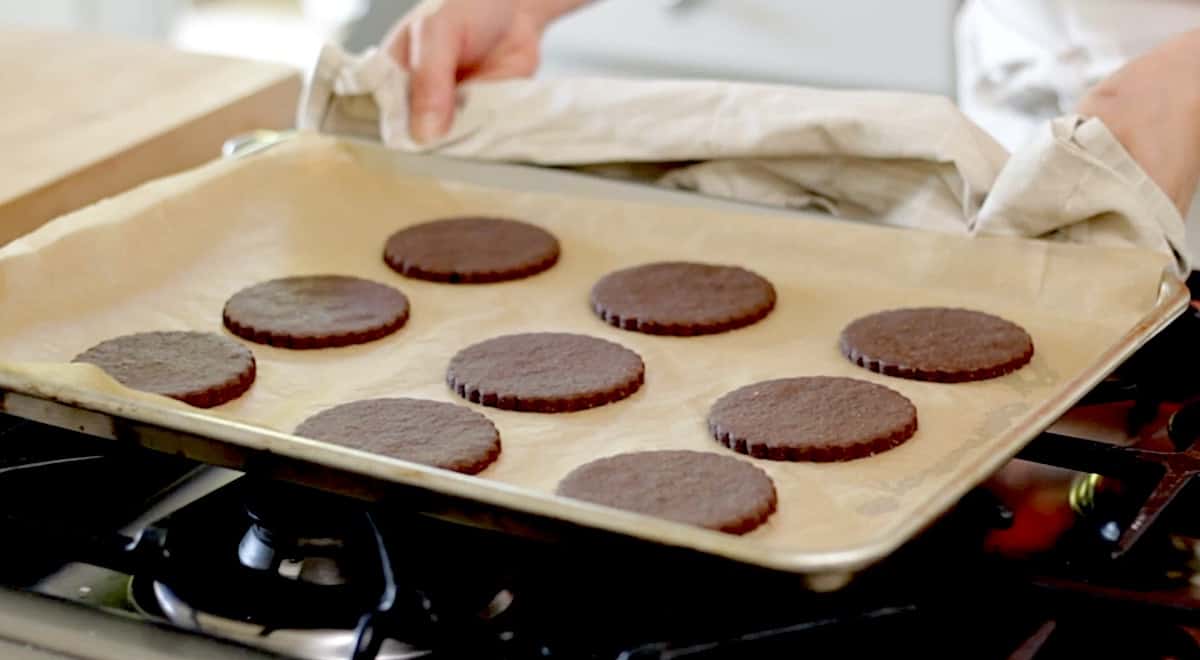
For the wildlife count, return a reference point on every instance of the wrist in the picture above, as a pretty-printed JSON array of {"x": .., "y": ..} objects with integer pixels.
[{"x": 1151, "y": 106}]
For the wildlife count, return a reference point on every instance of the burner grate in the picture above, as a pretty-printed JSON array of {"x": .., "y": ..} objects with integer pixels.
[{"x": 1169, "y": 471}]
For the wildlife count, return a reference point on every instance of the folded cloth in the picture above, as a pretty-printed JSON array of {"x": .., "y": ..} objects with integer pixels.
[{"x": 911, "y": 160}]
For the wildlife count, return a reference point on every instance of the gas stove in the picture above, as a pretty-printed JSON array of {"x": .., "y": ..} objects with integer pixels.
[{"x": 1086, "y": 543}]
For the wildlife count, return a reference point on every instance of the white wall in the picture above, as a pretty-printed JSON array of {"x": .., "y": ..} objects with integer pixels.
[
  {"x": 896, "y": 44},
  {"x": 892, "y": 44},
  {"x": 139, "y": 18}
]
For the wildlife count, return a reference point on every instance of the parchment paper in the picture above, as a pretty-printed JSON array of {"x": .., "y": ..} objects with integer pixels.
[{"x": 168, "y": 255}]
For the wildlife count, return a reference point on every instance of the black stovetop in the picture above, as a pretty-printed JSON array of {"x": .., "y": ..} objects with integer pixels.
[{"x": 455, "y": 591}]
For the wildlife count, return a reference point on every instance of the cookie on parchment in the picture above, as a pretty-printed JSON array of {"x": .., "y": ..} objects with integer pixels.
[
  {"x": 471, "y": 250},
  {"x": 682, "y": 298},
  {"x": 316, "y": 311},
  {"x": 938, "y": 344},
  {"x": 693, "y": 487},
  {"x": 198, "y": 368},
  {"x": 545, "y": 372},
  {"x": 817, "y": 418},
  {"x": 434, "y": 433}
]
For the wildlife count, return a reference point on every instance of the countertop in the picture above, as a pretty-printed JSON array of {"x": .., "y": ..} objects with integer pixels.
[{"x": 89, "y": 116}]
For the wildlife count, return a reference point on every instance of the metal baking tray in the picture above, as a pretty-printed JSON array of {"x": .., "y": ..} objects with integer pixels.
[{"x": 218, "y": 441}]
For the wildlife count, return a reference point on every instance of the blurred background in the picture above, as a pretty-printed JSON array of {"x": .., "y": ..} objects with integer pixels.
[{"x": 850, "y": 43}]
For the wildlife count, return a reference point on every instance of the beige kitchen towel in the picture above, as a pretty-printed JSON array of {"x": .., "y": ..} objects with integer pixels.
[{"x": 895, "y": 158}]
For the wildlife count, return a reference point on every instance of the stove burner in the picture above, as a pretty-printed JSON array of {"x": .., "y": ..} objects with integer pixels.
[
  {"x": 317, "y": 644},
  {"x": 307, "y": 570},
  {"x": 246, "y": 563},
  {"x": 297, "y": 533}
]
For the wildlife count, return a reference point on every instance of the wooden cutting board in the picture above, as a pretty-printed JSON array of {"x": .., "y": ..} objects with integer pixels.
[{"x": 88, "y": 116}]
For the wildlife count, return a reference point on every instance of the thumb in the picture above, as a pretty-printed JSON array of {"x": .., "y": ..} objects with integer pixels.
[{"x": 433, "y": 62}]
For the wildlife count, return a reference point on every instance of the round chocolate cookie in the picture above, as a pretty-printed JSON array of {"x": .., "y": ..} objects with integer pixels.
[
  {"x": 471, "y": 250},
  {"x": 693, "y": 487},
  {"x": 812, "y": 419},
  {"x": 431, "y": 432},
  {"x": 682, "y": 298},
  {"x": 198, "y": 368},
  {"x": 545, "y": 372},
  {"x": 316, "y": 311},
  {"x": 937, "y": 343}
]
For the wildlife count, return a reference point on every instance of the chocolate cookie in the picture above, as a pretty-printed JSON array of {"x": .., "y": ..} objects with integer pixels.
[
  {"x": 471, "y": 250},
  {"x": 431, "y": 432},
  {"x": 681, "y": 298},
  {"x": 937, "y": 343},
  {"x": 693, "y": 487},
  {"x": 545, "y": 372},
  {"x": 198, "y": 368},
  {"x": 316, "y": 311},
  {"x": 812, "y": 419}
]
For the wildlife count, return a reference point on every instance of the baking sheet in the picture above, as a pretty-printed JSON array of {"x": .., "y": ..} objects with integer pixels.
[{"x": 168, "y": 255}]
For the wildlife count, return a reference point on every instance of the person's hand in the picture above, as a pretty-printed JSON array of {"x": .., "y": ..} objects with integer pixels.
[
  {"x": 442, "y": 42},
  {"x": 1152, "y": 106}
]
